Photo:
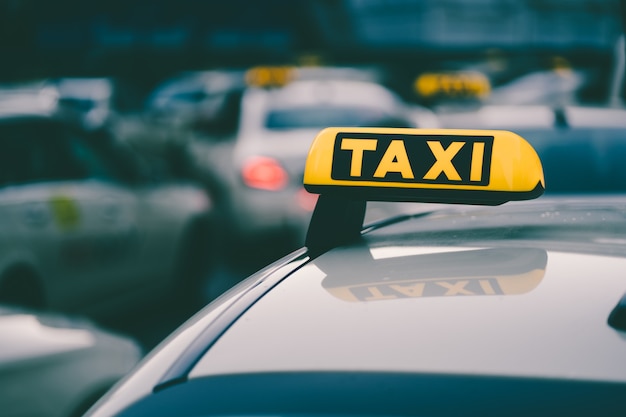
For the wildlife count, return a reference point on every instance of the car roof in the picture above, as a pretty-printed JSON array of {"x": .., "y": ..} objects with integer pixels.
[
  {"x": 257, "y": 102},
  {"x": 458, "y": 292},
  {"x": 328, "y": 91},
  {"x": 30, "y": 101},
  {"x": 88, "y": 88},
  {"x": 533, "y": 116}
]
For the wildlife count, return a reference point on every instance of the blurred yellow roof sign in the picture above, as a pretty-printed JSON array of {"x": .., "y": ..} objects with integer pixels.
[
  {"x": 270, "y": 76},
  {"x": 452, "y": 84}
]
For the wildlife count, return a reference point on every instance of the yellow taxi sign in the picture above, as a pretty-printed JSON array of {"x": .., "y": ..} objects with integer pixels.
[
  {"x": 270, "y": 76},
  {"x": 424, "y": 165},
  {"x": 452, "y": 84}
]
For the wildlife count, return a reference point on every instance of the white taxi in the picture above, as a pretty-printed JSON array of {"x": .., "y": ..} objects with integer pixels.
[
  {"x": 82, "y": 230},
  {"x": 281, "y": 111}
]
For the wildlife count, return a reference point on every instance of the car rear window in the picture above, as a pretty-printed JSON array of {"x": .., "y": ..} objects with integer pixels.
[{"x": 323, "y": 116}]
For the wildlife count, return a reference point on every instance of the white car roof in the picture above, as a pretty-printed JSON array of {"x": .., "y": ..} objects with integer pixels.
[
  {"x": 536, "y": 116},
  {"x": 337, "y": 92},
  {"x": 258, "y": 102},
  {"x": 478, "y": 299},
  {"x": 27, "y": 102}
]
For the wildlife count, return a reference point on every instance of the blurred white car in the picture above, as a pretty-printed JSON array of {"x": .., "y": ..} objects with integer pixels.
[
  {"x": 82, "y": 230},
  {"x": 264, "y": 195},
  {"x": 207, "y": 101},
  {"x": 582, "y": 148},
  {"x": 87, "y": 101},
  {"x": 56, "y": 366},
  {"x": 535, "y": 117}
]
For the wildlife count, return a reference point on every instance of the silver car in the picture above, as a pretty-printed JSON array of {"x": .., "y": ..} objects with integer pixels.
[
  {"x": 265, "y": 193},
  {"x": 83, "y": 230}
]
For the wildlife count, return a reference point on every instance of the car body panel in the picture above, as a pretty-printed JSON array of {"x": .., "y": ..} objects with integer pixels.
[
  {"x": 432, "y": 325},
  {"x": 416, "y": 285},
  {"x": 380, "y": 394},
  {"x": 170, "y": 362},
  {"x": 53, "y": 365}
]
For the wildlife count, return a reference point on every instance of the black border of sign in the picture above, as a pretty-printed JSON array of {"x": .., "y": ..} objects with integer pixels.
[{"x": 486, "y": 166}]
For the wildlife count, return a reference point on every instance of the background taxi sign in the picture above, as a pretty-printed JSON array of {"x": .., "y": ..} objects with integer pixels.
[
  {"x": 270, "y": 76},
  {"x": 452, "y": 84},
  {"x": 436, "y": 165}
]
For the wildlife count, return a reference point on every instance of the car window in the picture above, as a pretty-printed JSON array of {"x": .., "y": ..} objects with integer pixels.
[
  {"x": 37, "y": 151},
  {"x": 324, "y": 116},
  {"x": 31, "y": 152},
  {"x": 95, "y": 164},
  {"x": 76, "y": 103}
]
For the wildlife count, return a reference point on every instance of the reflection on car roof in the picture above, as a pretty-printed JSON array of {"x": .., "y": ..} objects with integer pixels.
[{"x": 486, "y": 295}]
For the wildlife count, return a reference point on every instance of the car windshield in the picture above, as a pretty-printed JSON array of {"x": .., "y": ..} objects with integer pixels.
[{"x": 319, "y": 117}]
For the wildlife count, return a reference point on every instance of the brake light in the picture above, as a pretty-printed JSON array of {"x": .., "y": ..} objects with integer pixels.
[
  {"x": 306, "y": 200},
  {"x": 264, "y": 173}
]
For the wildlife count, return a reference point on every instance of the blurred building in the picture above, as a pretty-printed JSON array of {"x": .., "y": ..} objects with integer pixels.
[{"x": 147, "y": 40}]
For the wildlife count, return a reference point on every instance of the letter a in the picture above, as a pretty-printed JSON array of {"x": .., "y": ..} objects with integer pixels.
[{"x": 395, "y": 159}]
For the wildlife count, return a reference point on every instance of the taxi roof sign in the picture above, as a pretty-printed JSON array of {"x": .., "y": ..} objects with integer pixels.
[
  {"x": 452, "y": 84},
  {"x": 487, "y": 167},
  {"x": 270, "y": 76}
]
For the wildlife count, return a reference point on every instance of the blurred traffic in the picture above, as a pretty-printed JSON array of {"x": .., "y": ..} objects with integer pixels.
[
  {"x": 147, "y": 166},
  {"x": 85, "y": 227}
]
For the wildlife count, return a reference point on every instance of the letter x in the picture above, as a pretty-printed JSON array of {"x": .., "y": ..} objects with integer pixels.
[
  {"x": 443, "y": 162},
  {"x": 456, "y": 288}
]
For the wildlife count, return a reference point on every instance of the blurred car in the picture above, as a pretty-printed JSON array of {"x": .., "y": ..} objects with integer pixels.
[
  {"x": 469, "y": 309},
  {"x": 86, "y": 101},
  {"x": 206, "y": 101},
  {"x": 194, "y": 106},
  {"x": 280, "y": 113},
  {"x": 535, "y": 116},
  {"x": 556, "y": 87},
  {"x": 54, "y": 365},
  {"x": 84, "y": 229},
  {"x": 582, "y": 147}
]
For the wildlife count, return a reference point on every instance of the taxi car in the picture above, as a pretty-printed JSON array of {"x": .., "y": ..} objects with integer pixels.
[
  {"x": 281, "y": 110},
  {"x": 38, "y": 350},
  {"x": 83, "y": 229},
  {"x": 473, "y": 308},
  {"x": 86, "y": 101}
]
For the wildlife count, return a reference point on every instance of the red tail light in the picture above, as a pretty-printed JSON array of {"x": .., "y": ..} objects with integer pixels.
[{"x": 264, "y": 173}]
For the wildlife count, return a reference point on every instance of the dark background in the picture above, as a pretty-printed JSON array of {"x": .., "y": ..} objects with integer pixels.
[{"x": 141, "y": 42}]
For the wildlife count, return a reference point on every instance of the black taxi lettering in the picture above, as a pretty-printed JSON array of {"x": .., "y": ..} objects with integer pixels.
[{"x": 412, "y": 158}]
